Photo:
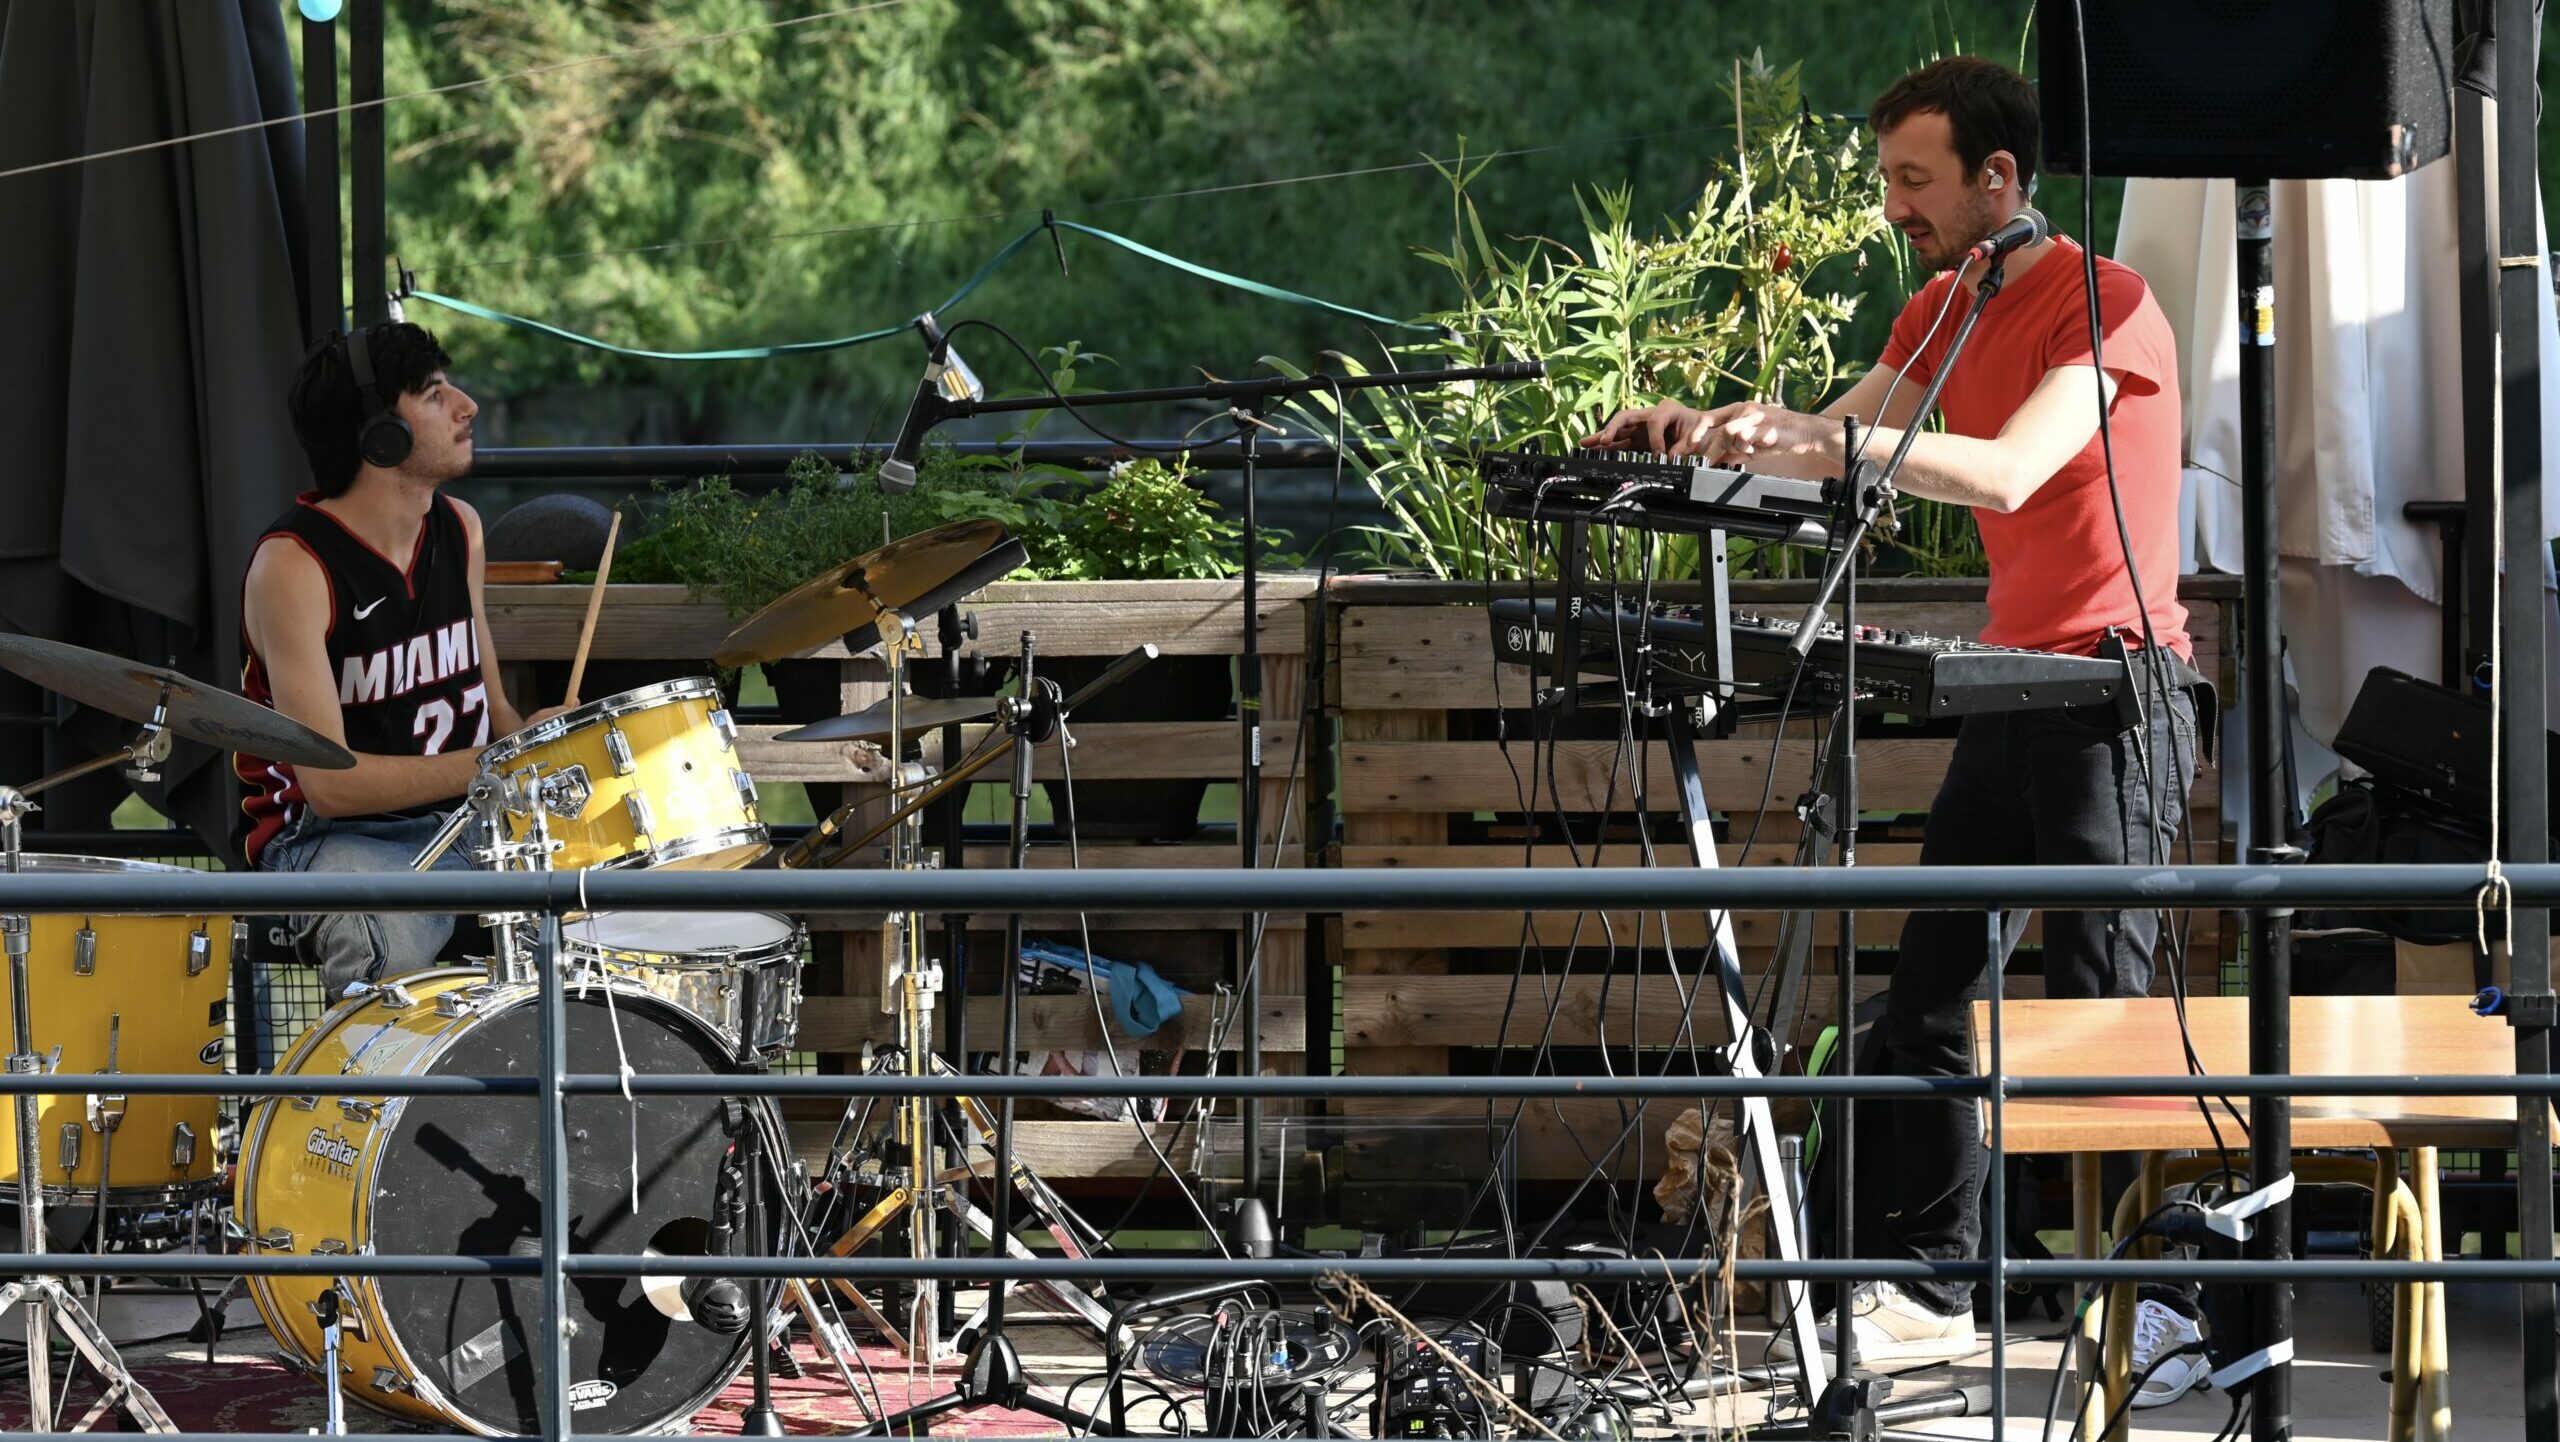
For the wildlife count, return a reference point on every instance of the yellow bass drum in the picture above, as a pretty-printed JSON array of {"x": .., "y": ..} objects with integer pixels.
[
  {"x": 151, "y": 989},
  {"x": 459, "y": 1175}
]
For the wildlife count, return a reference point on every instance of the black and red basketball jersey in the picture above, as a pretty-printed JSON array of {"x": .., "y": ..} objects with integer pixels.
[{"x": 402, "y": 647}]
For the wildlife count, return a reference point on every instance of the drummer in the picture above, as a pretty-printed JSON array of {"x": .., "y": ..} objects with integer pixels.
[{"x": 362, "y": 618}]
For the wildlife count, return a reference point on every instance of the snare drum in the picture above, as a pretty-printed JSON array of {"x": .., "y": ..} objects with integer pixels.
[
  {"x": 651, "y": 777},
  {"x": 156, "y": 985},
  {"x": 709, "y": 963}
]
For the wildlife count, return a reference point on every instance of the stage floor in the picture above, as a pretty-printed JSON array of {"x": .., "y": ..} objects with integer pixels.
[{"x": 2339, "y": 1388}]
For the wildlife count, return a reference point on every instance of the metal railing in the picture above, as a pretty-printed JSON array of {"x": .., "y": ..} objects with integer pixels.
[{"x": 1990, "y": 890}]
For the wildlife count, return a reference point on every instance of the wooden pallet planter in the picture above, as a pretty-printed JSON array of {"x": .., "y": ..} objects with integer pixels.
[
  {"x": 1068, "y": 620},
  {"x": 1412, "y": 681}
]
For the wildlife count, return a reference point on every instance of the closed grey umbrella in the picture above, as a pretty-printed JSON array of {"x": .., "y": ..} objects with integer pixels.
[{"x": 152, "y": 308}]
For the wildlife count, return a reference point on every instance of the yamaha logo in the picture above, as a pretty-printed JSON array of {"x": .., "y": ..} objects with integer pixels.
[
  {"x": 332, "y": 1148},
  {"x": 587, "y": 1396}
]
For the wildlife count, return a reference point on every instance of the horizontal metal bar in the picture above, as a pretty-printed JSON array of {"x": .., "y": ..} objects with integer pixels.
[
  {"x": 659, "y": 1436},
  {"x": 640, "y": 463},
  {"x": 157, "y": 1084},
  {"x": 1047, "y": 1087},
  {"x": 2280, "y": 1086},
  {"x": 1238, "y": 1087},
  {"x": 1942, "y": 888},
  {"x": 1280, "y": 1269}
]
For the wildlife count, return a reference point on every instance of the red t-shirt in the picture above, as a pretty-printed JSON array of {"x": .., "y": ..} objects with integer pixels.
[{"x": 2057, "y": 569}]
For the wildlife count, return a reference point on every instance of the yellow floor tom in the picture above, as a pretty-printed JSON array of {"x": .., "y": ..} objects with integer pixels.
[{"x": 148, "y": 991}]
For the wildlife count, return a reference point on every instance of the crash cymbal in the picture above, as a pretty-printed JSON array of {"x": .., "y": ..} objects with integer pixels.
[
  {"x": 220, "y": 719},
  {"x": 918, "y": 714},
  {"x": 915, "y": 575}
]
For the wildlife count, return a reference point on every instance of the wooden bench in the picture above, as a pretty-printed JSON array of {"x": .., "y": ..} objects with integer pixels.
[{"x": 2332, "y": 1036}]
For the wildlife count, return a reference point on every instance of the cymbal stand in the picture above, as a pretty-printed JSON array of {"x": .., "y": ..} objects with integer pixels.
[
  {"x": 993, "y": 1376},
  {"x": 909, "y": 982},
  {"x": 51, "y": 1308}
]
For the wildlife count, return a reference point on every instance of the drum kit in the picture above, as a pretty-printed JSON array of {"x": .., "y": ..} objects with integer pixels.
[{"x": 648, "y": 779}]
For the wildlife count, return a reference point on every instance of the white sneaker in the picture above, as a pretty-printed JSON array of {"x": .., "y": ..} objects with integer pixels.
[
  {"x": 2159, "y": 1330},
  {"x": 1895, "y": 1330}
]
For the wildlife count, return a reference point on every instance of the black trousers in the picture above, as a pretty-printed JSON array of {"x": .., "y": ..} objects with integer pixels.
[{"x": 2068, "y": 785}]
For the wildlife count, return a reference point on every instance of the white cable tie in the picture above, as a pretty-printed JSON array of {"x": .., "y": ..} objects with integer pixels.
[
  {"x": 2231, "y": 1219},
  {"x": 2276, "y": 1355},
  {"x": 582, "y": 890}
]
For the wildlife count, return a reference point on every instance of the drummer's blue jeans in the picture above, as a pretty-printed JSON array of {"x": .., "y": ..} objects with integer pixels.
[{"x": 353, "y": 946}]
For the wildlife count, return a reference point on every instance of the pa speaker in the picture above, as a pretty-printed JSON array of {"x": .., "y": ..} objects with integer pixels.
[{"x": 2243, "y": 89}]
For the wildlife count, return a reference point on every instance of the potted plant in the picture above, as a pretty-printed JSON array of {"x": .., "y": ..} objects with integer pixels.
[{"x": 1147, "y": 521}]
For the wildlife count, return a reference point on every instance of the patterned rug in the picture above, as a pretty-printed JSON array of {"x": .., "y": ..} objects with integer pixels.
[{"x": 254, "y": 1392}]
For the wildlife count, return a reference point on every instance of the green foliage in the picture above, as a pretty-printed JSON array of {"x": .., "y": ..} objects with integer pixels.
[
  {"x": 750, "y": 548},
  {"x": 1149, "y": 522},
  {"x": 1743, "y": 295},
  {"x": 769, "y": 186}
]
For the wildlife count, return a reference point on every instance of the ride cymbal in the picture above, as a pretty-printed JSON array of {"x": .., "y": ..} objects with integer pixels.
[
  {"x": 223, "y": 720},
  {"x": 914, "y": 576}
]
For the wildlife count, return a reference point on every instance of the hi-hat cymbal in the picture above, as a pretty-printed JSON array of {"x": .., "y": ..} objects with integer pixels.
[
  {"x": 915, "y": 576},
  {"x": 916, "y": 715},
  {"x": 218, "y": 718}
]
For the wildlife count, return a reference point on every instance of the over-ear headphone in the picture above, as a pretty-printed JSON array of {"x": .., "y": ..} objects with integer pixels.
[{"x": 383, "y": 439}]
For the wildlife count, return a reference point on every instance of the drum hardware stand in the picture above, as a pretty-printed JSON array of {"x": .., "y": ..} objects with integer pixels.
[
  {"x": 1075, "y": 1237},
  {"x": 331, "y": 1329},
  {"x": 106, "y": 1117},
  {"x": 909, "y": 982},
  {"x": 51, "y": 1307},
  {"x": 993, "y": 1375},
  {"x": 759, "y": 1420}
]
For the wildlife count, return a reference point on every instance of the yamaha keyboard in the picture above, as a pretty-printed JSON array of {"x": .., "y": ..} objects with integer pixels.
[
  {"x": 1903, "y": 672},
  {"x": 1655, "y": 492}
]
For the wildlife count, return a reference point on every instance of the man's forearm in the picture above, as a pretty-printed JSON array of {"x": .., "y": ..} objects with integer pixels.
[
  {"x": 1963, "y": 470},
  {"x": 378, "y": 783}
]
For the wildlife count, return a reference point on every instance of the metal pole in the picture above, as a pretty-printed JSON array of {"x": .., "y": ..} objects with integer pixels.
[
  {"x": 2270, "y": 809},
  {"x": 366, "y": 159},
  {"x": 1995, "y": 1232},
  {"x": 2466, "y": 662},
  {"x": 23, "y": 1061},
  {"x": 1249, "y": 820},
  {"x": 2522, "y": 704},
  {"x": 324, "y": 273},
  {"x": 955, "y": 924},
  {"x": 1017, "y": 856},
  {"x": 553, "y": 1346}
]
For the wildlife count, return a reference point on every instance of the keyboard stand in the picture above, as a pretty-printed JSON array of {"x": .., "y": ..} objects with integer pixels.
[{"x": 1758, "y": 1130}]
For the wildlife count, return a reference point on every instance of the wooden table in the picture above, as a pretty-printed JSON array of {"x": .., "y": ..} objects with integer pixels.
[{"x": 2332, "y": 1036}]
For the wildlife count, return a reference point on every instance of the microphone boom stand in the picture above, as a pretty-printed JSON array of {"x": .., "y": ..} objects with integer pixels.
[{"x": 1855, "y": 1405}]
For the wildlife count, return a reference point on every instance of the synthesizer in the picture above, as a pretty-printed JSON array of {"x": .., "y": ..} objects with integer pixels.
[
  {"x": 1903, "y": 672},
  {"x": 1655, "y": 492}
]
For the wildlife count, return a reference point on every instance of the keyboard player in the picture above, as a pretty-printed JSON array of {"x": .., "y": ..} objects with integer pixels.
[{"x": 1957, "y": 144}]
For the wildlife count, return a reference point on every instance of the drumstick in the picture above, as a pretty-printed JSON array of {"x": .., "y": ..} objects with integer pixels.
[{"x": 595, "y": 604}]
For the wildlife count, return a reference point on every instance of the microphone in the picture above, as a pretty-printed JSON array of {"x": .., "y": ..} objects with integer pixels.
[
  {"x": 2024, "y": 229},
  {"x": 718, "y": 1303},
  {"x": 946, "y": 376}
]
